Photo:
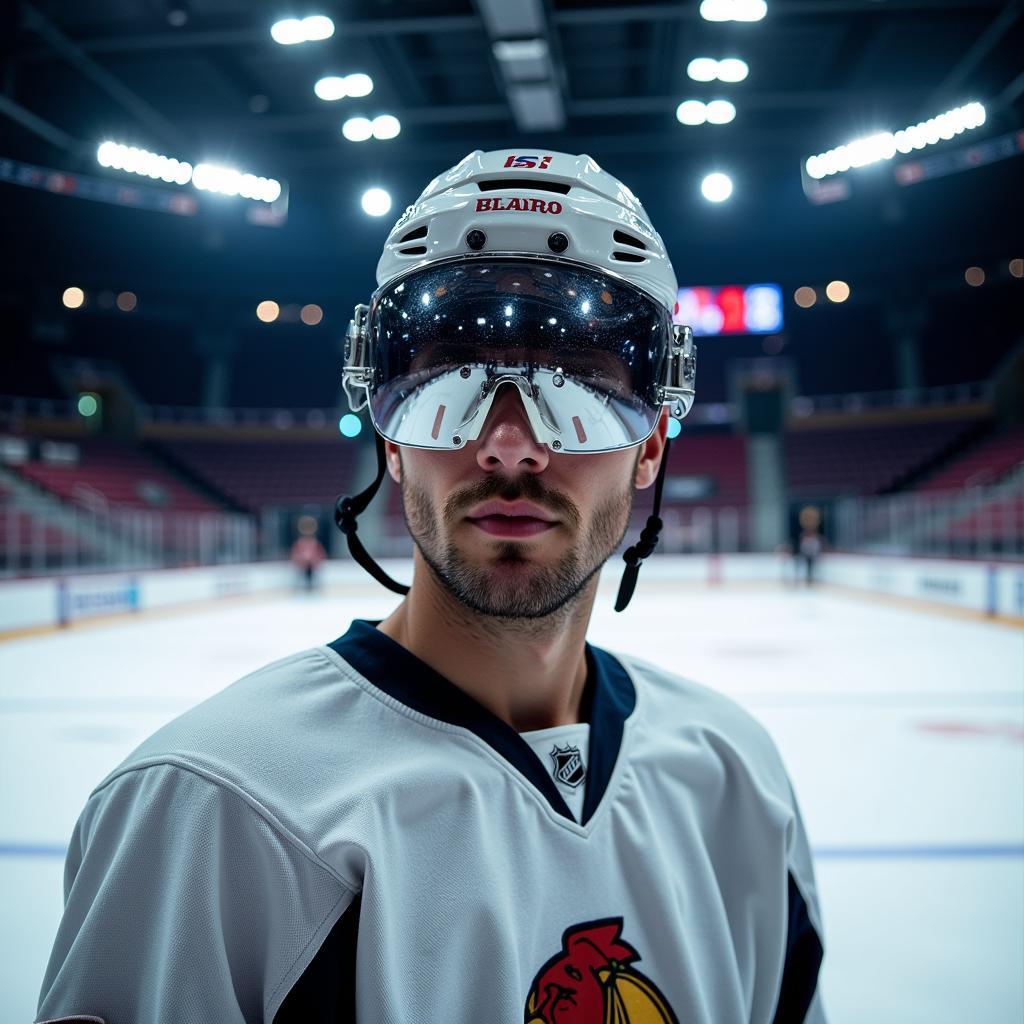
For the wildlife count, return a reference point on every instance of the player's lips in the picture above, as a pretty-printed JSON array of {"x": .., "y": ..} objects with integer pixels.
[{"x": 511, "y": 519}]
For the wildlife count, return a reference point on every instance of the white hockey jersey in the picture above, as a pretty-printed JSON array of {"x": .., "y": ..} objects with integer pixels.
[{"x": 345, "y": 835}]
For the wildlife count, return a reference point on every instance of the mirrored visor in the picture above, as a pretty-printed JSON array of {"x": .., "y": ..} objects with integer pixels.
[{"x": 585, "y": 350}]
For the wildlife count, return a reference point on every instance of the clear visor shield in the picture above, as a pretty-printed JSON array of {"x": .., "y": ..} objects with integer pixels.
[{"x": 586, "y": 352}]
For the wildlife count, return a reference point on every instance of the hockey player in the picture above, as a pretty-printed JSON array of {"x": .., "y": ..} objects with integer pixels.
[{"x": 465, "y": 812}]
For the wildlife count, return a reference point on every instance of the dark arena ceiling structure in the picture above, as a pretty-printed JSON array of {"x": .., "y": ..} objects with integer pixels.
[{"x": 203, "y": 80}]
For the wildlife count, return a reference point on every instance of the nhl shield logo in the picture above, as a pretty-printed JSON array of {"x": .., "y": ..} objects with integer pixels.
[{"x": 569, "y": 768}]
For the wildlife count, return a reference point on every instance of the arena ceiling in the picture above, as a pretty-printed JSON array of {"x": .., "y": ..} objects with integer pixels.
[{"x": 202, "y": 79}]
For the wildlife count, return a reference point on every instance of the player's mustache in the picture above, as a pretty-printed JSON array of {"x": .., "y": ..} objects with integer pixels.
[{"x": 526, "y": 488}]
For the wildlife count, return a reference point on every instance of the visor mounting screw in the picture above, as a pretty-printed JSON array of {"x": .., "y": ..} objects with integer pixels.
[
  {"x": 456, "y": 439},
  {"x": 557, "y": 242},
  {"x": 464, "y": 372},
  {"x": 558, "y": 380},
  {"x": 476, "y": 239},
  {"x": 556, "y": 445}
]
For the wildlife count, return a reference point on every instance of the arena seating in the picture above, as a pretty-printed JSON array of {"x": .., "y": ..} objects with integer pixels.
[
  {"x": 719, "y": 456},
  {"x": 25, "y": 538},
  {"x": 982, "y": 463},
  {"x": 1001, "y": 518},
  {"x": 863, "y": 460},
  {"x": 120, "y": 474},
  {"x": 260, "y": 474}
]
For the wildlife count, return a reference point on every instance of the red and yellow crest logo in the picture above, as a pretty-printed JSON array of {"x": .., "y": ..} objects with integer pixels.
[{"x": 591, "y": 980}]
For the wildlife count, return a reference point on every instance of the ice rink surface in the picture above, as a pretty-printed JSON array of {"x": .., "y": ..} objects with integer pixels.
[{"x": 902, "y": 728}]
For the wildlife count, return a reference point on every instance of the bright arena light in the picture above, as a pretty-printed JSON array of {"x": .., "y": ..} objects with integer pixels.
[
  {"x": 73, "y": 298},
  {"x": 211, "y": 178},
  {"x": 267, "y": 311},
  {"x": 691, "y": 112},
  {"x": 732, "y": 69},
  {"x": 357, "y": 129},
  {"x": 733, "y": 10},
  {"x": 386, "y": 126},
  {"x": 317, "y": 27},
  {"x": 229, "y": 182},
  {"x": 974, "y": 276},
  {"x": 331, "y": 87},
  {"x": 885, "y": 145},
  {"x": 707, "y": 69},
  {"x": 358, "y": 84},
  {"x": 720, "y": 112},
  {"x": 716, "y": 187},
  {"x": 127, "y": 301},
  {"x": 141, "y": 161},
  {"x": 206, "y": 177},
  {"x": 290, "y": 31},
  {"x": 837, "y": 291},
  {"x": 337, "y": 87},
  {"x": 703, "y": 69},
  {"x": 376, "y": 202}
]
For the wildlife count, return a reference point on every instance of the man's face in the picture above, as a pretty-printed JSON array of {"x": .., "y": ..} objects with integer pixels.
[{"x": 569, "y": 513}]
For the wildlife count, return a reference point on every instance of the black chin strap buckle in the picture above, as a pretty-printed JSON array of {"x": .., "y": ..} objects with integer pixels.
[
  {"x": 345, "y": 516},
  {"x": 647, "y": 543}
]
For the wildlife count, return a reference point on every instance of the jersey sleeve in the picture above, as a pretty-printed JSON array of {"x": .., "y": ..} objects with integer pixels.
[{"x": 184, "y": 903}]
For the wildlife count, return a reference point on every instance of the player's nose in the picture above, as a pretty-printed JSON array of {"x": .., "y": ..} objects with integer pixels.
[{"x": 506, "y": 441}]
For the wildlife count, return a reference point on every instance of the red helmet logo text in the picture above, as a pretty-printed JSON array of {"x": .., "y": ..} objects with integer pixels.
[
  {"x": 492, "y": 204},
  {"x": 540, "y": 162}
]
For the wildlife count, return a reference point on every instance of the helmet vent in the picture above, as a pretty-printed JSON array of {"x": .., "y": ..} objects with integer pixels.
[
  {"x": 420, "y": 232},
  {"x": 529, "y": 184},
  {"x": 629, "y": 257},
  {"x": 414, "y": 250},
  {"x": 623, "y": 239}
]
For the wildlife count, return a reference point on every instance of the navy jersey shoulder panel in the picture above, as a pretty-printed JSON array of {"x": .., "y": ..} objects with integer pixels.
[
  {"x": 804, "y": 954},
  {"x": 326, "y": 991},
  {"x": 609, "y": 698}
]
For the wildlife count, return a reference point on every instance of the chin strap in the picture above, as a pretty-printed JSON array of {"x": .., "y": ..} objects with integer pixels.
[
  {"x": 345, "y": 512},
  {"x": 348, "y": 509},
  {"x": 647, "y": 543}
]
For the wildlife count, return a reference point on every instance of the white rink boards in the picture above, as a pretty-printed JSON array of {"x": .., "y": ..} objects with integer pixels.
[{"x": 902, "y": 728}]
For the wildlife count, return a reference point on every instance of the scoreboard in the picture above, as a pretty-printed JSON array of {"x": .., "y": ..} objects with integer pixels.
[{"x": 730, "y": 309}]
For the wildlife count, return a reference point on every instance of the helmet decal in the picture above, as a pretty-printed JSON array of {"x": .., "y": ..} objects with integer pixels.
[{"x": 528, "y": 161}]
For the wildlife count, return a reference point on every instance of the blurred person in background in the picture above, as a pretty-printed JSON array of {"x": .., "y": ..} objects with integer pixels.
[
  {"x": 307, "y": 552},
  {"x": 811, "y": 543}
]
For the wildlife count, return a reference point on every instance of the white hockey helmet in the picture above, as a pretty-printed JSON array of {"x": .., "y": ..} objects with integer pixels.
[
  {"x": 542, "y": 271},
  {"x": 518, "y": 202}
]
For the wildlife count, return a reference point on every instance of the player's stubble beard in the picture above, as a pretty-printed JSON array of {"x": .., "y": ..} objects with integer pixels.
[{"x": 540, "y": 591}]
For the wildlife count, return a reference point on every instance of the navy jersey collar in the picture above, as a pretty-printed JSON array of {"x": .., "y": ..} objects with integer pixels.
[{"x": 608, "y": 700}]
